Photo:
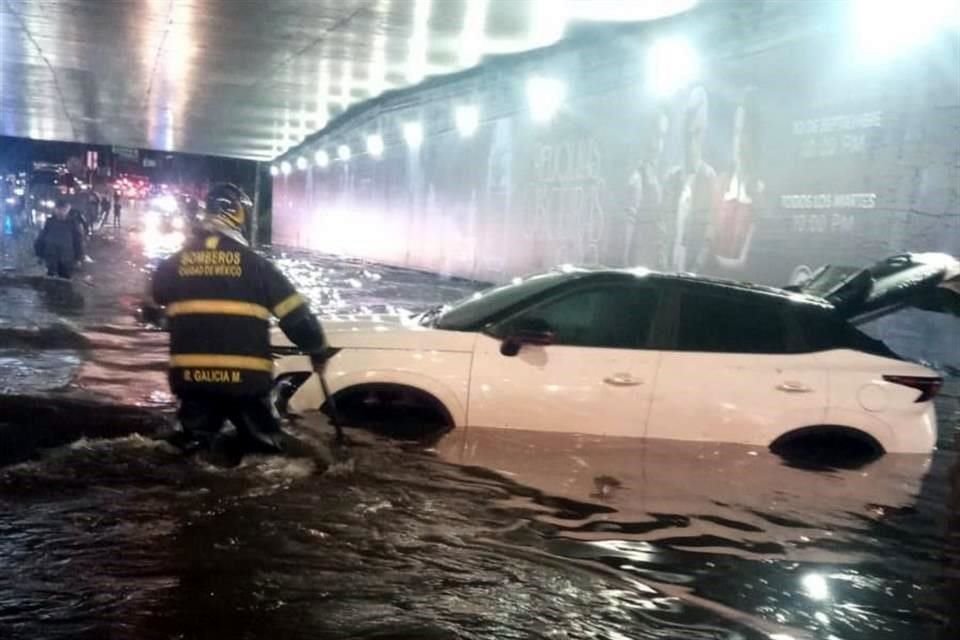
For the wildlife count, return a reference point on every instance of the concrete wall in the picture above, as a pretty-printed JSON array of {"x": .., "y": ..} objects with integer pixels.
[{"x": 833, "y": 160}]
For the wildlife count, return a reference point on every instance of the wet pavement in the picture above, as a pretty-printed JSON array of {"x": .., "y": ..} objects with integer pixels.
[{"x": 106, "y": 533}]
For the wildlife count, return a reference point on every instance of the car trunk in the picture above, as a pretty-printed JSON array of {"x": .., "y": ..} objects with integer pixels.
[{"x": 927, "y": 281}]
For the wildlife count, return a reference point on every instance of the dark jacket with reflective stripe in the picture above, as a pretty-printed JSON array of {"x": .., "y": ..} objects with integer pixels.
[{"x": 219, "y": 297}]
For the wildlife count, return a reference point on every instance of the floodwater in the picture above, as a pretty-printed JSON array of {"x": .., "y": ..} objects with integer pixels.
[{"x": 107, "y": 533}]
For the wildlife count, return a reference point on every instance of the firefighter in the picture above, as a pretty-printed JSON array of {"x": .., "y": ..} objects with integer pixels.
[{"x": 219, "y": 296}]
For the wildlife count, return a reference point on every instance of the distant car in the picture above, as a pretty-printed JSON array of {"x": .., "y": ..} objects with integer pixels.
[{"x": 636, "y": 353}]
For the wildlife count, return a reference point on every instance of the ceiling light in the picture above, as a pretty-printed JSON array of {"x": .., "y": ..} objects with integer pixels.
[
  {"x": 375, "y": 145},
  {"x": 545, "y": 97},
  {"x": 302, "y": 163},
  {"x": 413, "y": 134},
  {"x": 274, "y": 170},
  {"x": 884, "y": 29},
  {"x": 285, "y": 168},
  {"x": 322, "y": 158},
  {"x": 467, "y": 119},
  {"x": 343, "y": 152},
  {"x": 672, "y": 64}
]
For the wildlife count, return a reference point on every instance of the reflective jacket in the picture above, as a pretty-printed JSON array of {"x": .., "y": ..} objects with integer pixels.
[{"x": 219, "y": 297}]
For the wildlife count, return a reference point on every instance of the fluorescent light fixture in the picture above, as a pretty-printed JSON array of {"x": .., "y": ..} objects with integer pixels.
[
  {"x": 545, "y": 96},
  {"x": 343, "y": 152},
  {"x": 285, "y": 168},
  {"x": 302, "y": 163},
  {"x": 375, "y": 145},
  {"x": 467, "y": 119},
  {"x": 322, "y": 158},
  {"x": 413, "y": 134}
]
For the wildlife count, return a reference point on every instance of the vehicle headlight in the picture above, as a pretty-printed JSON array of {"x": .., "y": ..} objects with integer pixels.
[
  {"x": 11, "y": 200},
  {"x": 18, "y": 191},
  {"x": 166, "y": 203},
  {"x": 49, "y": 204}
]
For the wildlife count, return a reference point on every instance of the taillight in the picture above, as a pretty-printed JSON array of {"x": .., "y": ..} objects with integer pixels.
[{"x": 928, "y": 387}]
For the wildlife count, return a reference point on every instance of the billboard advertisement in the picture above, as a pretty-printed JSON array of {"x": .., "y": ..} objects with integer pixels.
[{"x": 764, "y": 168}]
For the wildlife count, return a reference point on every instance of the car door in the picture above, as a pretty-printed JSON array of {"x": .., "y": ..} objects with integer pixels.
[
  {"x": 595, "y": 377},
  {"x": 730, "y": 373}
]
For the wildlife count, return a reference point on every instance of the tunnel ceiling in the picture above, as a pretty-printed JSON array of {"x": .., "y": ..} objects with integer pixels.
[{"x": 248, "y": 78}]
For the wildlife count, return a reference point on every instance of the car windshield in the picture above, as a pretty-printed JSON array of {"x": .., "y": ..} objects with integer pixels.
[{"x": 470, "y": 313}]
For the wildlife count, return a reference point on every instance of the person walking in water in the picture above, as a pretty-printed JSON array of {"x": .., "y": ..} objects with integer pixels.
[
  {"x": 117, "y": 206},
  {"x": 219, "y": 296},
  {"x": 60, "y": 243}
]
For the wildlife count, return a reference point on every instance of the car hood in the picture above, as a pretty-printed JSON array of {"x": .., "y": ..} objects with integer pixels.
[
  {"x": 928, "y": 281},
  {"x": 383, "y": 332}
]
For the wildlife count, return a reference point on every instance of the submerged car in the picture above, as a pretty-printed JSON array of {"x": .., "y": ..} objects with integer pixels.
[{"x": 644, "y": 354}]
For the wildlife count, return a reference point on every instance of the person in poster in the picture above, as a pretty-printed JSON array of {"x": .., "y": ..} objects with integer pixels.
[
  {"x": 741, "y": 191},
  {"x": 693, "y": 190},
  {"x": 646, "y": 237}
]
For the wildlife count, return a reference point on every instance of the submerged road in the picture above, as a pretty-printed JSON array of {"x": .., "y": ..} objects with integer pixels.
[{"x": 106, "y": 533}]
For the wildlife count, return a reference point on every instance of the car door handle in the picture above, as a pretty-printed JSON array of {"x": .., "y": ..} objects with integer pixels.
[
  {"x": 622, "y": 380},
  {"x": 793, "y": 387}
]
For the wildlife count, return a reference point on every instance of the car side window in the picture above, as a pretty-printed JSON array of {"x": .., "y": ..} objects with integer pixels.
[
  {"x": 611, "y": 317},
  {"x": 728, "y": 324}
]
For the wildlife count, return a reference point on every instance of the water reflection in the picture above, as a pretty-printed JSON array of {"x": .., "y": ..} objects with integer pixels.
[
  {"x": 524, "y": 535},
  {"x": 855, "y": 553}
]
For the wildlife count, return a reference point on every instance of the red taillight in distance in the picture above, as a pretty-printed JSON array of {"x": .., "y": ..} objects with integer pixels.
[{"x": 928, "y": 387}]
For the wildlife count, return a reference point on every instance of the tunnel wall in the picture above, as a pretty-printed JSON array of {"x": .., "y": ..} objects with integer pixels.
[{"x": 840, "y": 161}]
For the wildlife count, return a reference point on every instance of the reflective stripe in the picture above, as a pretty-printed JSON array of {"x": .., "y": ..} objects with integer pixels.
[
  {"x": 288, "y": 305},
  {"x": 214, "y": 361},
  {"x": 218, "y": 307}
]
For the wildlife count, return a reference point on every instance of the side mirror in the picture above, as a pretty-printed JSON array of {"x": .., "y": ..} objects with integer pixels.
[{"x": 513, "y": 343}]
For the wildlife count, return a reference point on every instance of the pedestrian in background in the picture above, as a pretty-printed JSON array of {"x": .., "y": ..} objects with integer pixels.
[
  {"x": 104, "y": 209},
  {"x": 117, "y": 206},
  {"x": 60, "y": 243}
]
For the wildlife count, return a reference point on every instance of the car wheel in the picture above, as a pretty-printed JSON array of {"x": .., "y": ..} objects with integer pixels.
[
  {"x": 394, "y": 410},
  {"x": 827, "y": 447}
]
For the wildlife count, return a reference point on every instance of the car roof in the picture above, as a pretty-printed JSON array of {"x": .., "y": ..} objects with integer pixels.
[{"x": 717, "y": 285}]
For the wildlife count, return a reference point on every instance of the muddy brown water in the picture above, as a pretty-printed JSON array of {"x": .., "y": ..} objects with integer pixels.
[{"x": 106, "y": 533}]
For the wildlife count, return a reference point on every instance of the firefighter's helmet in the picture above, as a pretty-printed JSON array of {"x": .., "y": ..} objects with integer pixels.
[{"x": 227, "y": 203}]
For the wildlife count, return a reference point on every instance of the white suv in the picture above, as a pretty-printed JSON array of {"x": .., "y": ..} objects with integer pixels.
[{"x": 635, "y": 353}]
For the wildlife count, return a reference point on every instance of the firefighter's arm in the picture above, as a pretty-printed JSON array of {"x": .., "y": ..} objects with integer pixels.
[
  {"x": 160, "y": 290},
  {"x": 291, "y": 309},
  {"x": 157, "y": 295}
]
